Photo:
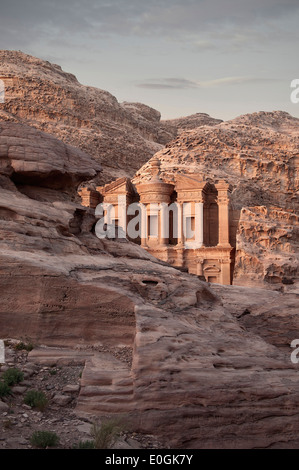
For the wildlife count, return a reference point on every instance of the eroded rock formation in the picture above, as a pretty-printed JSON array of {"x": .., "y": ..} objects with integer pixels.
[
  {"x": 202, "y": 373},
  {"x": 176, "y": 126},
  {"x": 42, "y": 95},
  {"x": 258, "y": 155},
  {"x": 121, "y": 136}
]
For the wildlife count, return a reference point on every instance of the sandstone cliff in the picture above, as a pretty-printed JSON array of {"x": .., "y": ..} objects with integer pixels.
[
  {"x": 203, "y": 371},
  {"x": 176, "y": 126},
  {"x": 121, "y": 136},
  {"x": 42, "y": 95},
  {"x": 258, "y": 155}
]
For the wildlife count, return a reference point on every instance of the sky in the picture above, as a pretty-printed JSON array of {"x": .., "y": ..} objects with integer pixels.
[{"x": 221, "y": 57}]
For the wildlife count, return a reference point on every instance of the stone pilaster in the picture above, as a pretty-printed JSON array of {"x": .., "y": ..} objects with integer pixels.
[
  {"x": 164, "y": 224},
  {"x": 223, "y": 213},
  {"x": 122, "y": 212},
  {"x": 225, "y": 271},
  {"x": 180, "y": 226},
  {"x": 89, "y": 197},
  {"x": 200, "y": 263},
  {"x": 143, "y": 225},
  {"x": 199, "y": 224}
]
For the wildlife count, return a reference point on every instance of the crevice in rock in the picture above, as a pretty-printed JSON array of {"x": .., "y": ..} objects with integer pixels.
[{"x": 243, "y": 314}]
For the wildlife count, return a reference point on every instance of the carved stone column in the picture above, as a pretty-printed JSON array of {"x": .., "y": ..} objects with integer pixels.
[
  {"x": 180, "y": 224},
  {"x": 164, "y": 224},
  {"x": 122, "y": 212},
  {"x": 199, "y": 221},
  {"x": 153, "y": 193},
  {"x": 143, "y": 225},
  {"x": 107, "y": 210},
  {"x": 223, "y": 213}
]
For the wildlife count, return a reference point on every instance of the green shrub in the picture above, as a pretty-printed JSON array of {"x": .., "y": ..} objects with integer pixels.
[
  {"x": 106, "y": 434},
  {"x": 4, "y": 389},
  {"x": 12, "y": 376},
  {"x": 21, "y": 346},
  {"x": 44, "y": 439},
  {"x": 36, "y": 399},
  {"x": 84, "y": 445}
]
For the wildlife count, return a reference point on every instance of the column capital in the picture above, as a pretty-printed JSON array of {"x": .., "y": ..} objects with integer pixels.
[
  {"x": 201, "y": 199},
  {"x": 223, "y": 199},
  {"x": 223, "y": 186}
]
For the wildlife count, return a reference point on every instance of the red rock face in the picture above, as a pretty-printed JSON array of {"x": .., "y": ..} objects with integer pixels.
[
  {"x": 42, "y": 95},
  {"x": 121, "y": 136},
  {"x": 32, "y": 157},
  {"x": 187, "y": 123},
  {"x": 258, "y": 155},
  {"x": 39, "y": 179},
  {"x": 56, "y": 310},
  {"x": 196, "y": 367},
  {"x": 200, "y": 368},
  {"x": 268, "y": 244}
]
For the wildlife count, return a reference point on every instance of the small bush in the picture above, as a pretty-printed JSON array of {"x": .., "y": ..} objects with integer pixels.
[
  {"x": 106, "y": 434},
  {"x": 21, "y": 346},
  {"x": 44, "y": 439},
  {"x": 36, "y": 399},
  {"x": 4, "y": 389},
  {"x": 84, "y": 445},
  {"x": 12, "y": 376}
]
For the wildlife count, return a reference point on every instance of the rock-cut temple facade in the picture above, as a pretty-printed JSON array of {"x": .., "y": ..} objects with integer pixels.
[{"x": 184, "y": 222}]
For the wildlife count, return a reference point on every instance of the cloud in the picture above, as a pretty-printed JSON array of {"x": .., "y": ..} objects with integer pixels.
[
  {"x": 195, "y": 17},
  {"x": 170, "y": 83},
  {"x": 204, "y": 45},
  {"x": 170, "y": 18},
  {"x": 182, "y": 83},
  {"x": 219, "y": 82}
]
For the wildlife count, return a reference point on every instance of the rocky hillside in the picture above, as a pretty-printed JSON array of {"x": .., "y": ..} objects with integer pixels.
[
  {"x": 121, "y": 136},
  {"x": 40, "y": 94},
  {"x": 258, "y": 155},
  {"x": 176, "y": 126},
  {"x": 195, "y": 366}
]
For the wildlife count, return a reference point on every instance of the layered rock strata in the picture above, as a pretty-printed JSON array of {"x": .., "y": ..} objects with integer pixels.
[
  {"x": 257, "y": 155},
  {"x": 158, "y": 344},
  {"x": 121, "y": 136}
]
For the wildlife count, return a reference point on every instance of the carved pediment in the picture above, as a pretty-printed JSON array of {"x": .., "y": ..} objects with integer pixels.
[{"x": 120, "y": 186}]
